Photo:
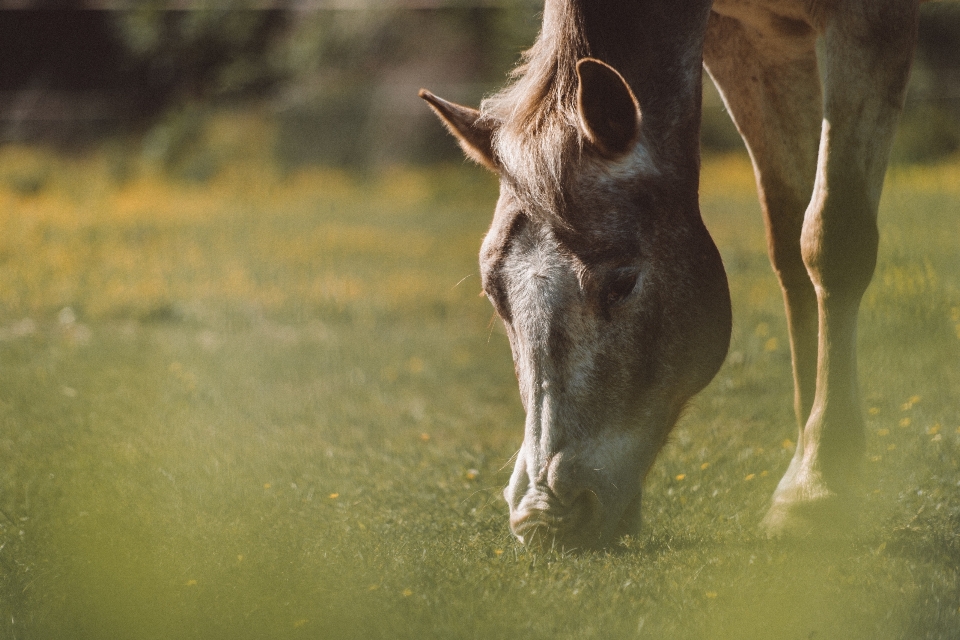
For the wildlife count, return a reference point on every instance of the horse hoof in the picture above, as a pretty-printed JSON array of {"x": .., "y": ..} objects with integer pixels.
[{"x": 825, "y": 516}]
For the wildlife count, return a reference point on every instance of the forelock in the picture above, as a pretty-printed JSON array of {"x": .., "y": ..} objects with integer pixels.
[
  {"x": 538, "y": 139},
  {"x": 538, "y": 162}
]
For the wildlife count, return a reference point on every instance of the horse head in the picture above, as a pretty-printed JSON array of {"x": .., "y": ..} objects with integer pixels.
[{"x": 611, "y": 291}]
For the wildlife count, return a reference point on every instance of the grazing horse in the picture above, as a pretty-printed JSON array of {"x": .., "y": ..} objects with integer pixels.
[{"x": 612, "y": 292}]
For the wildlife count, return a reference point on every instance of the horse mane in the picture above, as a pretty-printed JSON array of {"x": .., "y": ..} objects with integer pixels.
[{"x": 535, "y": 115}]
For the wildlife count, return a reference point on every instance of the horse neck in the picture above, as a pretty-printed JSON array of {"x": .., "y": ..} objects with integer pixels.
[{"x": 657, "y": 46}]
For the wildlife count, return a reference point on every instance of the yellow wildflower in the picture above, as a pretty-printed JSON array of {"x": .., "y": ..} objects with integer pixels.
[{"x": 912, "y": 400}]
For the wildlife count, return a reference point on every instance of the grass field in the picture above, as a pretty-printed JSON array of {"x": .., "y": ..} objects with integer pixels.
[{"x": 272, "y": 406}]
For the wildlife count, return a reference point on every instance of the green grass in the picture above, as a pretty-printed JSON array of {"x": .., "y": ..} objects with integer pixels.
[{"x": 272, "y": 407}]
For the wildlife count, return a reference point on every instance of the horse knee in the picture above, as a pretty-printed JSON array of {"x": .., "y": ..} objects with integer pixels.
[{"x": 839, "y": 243}]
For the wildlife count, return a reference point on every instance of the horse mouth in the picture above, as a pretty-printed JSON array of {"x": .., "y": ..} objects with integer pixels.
[{"x": 554, "y": 526}]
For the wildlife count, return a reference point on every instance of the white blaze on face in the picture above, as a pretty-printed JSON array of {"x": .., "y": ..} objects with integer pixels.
[
  {"x": 534, "y": 278},
  {"x": 554, "y": 339}
]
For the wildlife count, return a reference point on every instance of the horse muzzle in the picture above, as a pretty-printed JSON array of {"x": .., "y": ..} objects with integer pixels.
[{"x": 542, "y": 521}]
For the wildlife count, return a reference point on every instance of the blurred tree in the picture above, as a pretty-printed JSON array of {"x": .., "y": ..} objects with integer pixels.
[
  {"x": 191, "y": 61},
  {"x": 201, "y": 54},
  {"x": 58, "y": 64},
  {"x": 357, "y": 72},
  {"x": 99, "y": 72}
]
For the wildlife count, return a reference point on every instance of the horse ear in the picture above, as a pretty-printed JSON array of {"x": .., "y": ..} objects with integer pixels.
[
  {"x": 474, "y": 134},
  {"x": 609, "y": 113}
]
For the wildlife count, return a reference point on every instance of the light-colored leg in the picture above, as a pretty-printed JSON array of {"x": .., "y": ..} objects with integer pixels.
[
  {"x": 868, "y": 47},
  {"x": 767, "y": 75}
]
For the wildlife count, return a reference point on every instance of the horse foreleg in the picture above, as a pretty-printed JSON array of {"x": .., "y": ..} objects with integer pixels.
[{"x": 868, "y": 47}]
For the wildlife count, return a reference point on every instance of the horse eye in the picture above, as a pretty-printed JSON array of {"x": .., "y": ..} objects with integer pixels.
[
  {"x": 620, "y": 287},
  {"x": 495, "y": 294}
]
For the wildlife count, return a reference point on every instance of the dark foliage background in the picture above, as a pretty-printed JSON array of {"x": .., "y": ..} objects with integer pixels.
[{"x": 338, "y": 78}]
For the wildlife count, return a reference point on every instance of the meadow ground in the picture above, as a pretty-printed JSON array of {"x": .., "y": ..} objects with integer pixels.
[{"x": 268, "y": 406}]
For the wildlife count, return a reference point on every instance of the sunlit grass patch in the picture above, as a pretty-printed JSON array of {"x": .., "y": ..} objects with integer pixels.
[
  {"x": 127, "y": 248},
  {"x": 727, "y": 175}
]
